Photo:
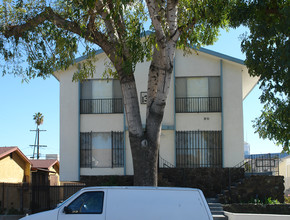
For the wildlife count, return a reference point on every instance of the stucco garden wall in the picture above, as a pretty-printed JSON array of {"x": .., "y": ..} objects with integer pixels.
[
  {"x": 241, "y": 216},
  {"x": 211, "y": 181},
  {"x": 258, "y": 188},
  {"x": 273, "y": 209}
]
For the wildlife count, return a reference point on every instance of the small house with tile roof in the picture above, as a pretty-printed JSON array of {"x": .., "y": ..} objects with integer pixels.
[
  {"x": 15, "y": 166},
  {"x": 45, "y": 172}
]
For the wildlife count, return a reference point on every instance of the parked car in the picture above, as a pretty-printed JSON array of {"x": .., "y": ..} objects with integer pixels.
[{"x": 130, "y": 203}]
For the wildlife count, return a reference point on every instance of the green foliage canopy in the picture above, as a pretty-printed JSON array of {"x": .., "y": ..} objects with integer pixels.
[
  {"x": 38, "y": 36},
  {"x": 50, "y": 35},
  {"x": 267, "y": 50}
]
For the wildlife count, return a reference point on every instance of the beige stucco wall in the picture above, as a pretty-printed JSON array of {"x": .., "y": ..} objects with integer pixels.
[
  {"x": 129, "y": 160},
  {"x": 196, "y": 64},
  {"x": 199, "y": 121},
  {"x": 284, "y": 170},
  {"x": 249, "y": 82},
  {"x": 102, "y": 122},
  {"x": 69, "y": 126},
  {"x": 167, "y": 146},
  {"x": 14, "y": 170},
  {"x": 233, "y": 152},
  {"x": 101, "y": 171}
]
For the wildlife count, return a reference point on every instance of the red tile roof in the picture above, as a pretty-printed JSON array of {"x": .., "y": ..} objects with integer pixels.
[
  {"x": 45, "y": 164},
  {"x": 4, "y": 151}
]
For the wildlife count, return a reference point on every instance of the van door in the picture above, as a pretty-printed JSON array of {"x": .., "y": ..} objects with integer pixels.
[{"x": 88, "y": 205}]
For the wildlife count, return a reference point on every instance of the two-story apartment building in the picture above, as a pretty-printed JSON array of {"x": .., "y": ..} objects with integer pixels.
[{"x": 202, "y": 125}]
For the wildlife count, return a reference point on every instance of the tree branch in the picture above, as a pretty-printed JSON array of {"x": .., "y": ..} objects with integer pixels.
[
  {"x": 18, "y": 30},
  {"x": 160, "y": 34},
  {"x": 171, "y": 13},
  {"x": 118, "y": 25},
  {"x": 107, "y": 20},
  {"x": 49, "y": 15},
  {"x": 92, "y": 17},
  {"x": 186, "y": 27}
]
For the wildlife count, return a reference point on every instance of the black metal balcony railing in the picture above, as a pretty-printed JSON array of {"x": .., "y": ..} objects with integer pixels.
[
  {"x": 101, "y": 106},
  {"x": 198, "y": 104}
]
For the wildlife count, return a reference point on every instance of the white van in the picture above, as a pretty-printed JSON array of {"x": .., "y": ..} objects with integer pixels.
[{"x": 130, "y": 203}]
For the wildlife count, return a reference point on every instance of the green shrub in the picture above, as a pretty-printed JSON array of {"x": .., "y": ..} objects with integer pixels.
[
  {"x": 270, "y": 201},
  {"x": 267, "y": 201}
]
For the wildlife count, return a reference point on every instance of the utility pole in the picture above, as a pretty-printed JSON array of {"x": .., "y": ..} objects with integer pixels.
[
  {"x": 38, "y": 117},
  {"x": 36, "y": 144}
]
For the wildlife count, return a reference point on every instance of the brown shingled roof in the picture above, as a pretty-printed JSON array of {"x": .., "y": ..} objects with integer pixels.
[
  {"x": 4, "y": 151},
  {"x": 44, "y": 164}
]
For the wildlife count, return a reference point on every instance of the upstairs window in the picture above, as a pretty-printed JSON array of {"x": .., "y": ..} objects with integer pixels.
[
  {"x": 101, "y": 97},
  {"x": 198, "y": 94}
]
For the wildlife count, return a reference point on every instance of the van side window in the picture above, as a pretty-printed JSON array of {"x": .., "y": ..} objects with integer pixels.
[{"x": 87, "y": 203}]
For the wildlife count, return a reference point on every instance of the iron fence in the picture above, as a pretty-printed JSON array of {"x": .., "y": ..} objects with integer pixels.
[
  {"x": 164, "y": 163},
  {"x": 117, "y": 149},
  {"x": 86, "y": 149},
  {"x": 198, "y": 104},
  {"x": 261, "y": 164},
  {"x": 25, "y": 198},
  {"x": 198, "y": 149},
  {"x": 101, "y": 106}
]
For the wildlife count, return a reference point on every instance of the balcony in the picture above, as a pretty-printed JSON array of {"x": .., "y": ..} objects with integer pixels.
[
  {"x": 198, "y": 104},
  {"x": 101, "y": 106}
]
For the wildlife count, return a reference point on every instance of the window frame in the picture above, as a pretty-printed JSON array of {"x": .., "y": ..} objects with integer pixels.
[
  {"x": 117, "y": 154},
  {"x": 107, "y": 104},
  {"x": 210, "y": 103},
  {"x": 68, "y": 211}
]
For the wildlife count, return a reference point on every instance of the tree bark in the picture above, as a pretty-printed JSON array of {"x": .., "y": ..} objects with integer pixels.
[
  {"x": 145, "y": 143},
  {"x": 145, "y": 159},
  {"x": 141, "y": 155}
]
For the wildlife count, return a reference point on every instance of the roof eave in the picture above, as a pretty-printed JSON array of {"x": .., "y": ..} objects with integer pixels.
[
  {"x": 201, "y": 49},
  {"x": 220, "y": 55}
]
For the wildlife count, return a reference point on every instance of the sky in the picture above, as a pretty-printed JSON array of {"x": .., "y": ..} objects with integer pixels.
[{"x": 20, "y": 101}]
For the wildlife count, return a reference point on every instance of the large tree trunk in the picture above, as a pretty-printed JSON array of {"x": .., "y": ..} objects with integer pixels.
[
  {"x": 144, "y": 150},
  {"x": 145, "y": 159},
  {"x": 145, "y": 143}
]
